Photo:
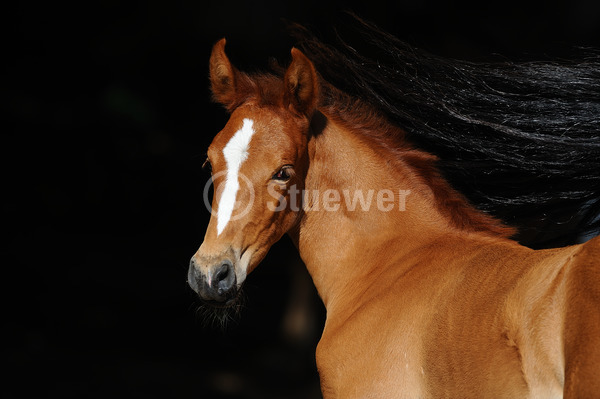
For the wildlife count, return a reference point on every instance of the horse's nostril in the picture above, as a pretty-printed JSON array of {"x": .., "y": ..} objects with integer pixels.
[
  {"x": 218, "y": 284},
  {"x": 223, "y": 272},
  {"x": 223, "y": 281}
]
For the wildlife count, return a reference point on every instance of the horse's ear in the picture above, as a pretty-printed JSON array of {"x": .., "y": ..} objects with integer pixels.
[
  {"x": 301, "y": 86},
  {"x": 222, "y": 76}
]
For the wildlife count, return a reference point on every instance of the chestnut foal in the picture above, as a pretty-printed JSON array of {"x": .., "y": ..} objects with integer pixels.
[{"x": 425, "y": 295}]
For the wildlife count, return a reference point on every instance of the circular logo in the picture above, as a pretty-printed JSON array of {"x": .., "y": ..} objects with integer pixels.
[{"x": 233, "y": 189}]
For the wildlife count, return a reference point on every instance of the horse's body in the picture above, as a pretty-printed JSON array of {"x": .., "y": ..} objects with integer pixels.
[
  {"x": 425, "y": 295},
  {"x": 418, "y": 309}
]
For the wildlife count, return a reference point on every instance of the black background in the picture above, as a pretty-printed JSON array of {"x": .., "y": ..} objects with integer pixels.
[{"x": 107, "y": 116}]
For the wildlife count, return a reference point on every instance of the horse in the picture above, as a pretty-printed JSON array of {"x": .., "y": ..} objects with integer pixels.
[{"x": 425, "y": 294}]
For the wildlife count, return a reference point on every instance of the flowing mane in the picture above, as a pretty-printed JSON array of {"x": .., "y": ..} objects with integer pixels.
[{"x": 520, "y": 140}]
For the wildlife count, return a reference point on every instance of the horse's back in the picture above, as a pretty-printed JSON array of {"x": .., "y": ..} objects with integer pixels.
[{"x": 582, "y": 323}]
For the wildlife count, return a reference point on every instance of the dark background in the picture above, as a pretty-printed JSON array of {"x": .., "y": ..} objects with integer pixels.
[{"x": 107, "y": 116}]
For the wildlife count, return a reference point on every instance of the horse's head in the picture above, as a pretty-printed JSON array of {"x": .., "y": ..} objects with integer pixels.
[{"x": 259, "y": 161}]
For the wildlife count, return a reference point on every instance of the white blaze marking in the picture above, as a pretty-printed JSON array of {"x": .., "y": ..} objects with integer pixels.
[{"x": 235, "y": 153}]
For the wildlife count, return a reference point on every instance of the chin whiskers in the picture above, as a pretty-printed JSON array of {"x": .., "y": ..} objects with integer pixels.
[{"x": 220, "y": 317}]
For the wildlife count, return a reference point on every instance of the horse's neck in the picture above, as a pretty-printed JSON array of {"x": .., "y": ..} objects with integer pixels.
[{"x": 344, "y": 249}]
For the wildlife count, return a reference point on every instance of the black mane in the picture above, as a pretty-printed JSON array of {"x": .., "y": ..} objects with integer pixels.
[{"x": 520, "y": 140}]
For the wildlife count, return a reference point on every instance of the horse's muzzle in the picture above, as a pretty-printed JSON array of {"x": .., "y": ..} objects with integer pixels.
[{"x": 218, "y": 284}]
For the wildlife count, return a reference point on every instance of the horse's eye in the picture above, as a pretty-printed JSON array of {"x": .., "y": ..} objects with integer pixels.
[
  {"x": 283, "y": 174},
  {"x": 207, "y": 166}
]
